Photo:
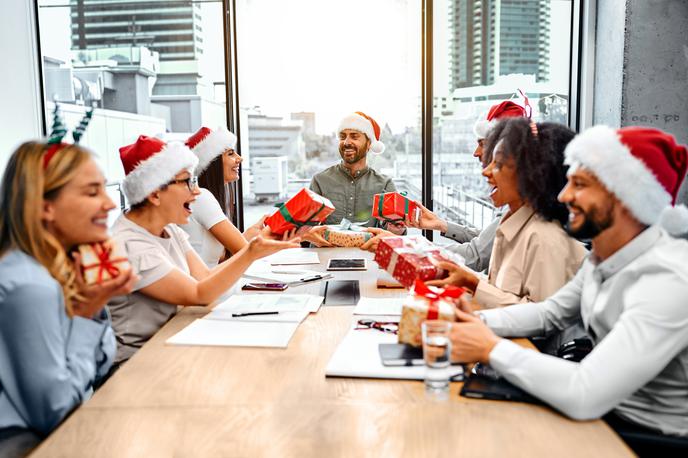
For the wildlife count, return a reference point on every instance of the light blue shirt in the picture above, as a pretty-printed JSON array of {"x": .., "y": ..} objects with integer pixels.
[{"x": 48, "y": 361}]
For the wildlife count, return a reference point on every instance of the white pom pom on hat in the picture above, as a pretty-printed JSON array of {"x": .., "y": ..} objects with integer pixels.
[{"x": 365, "y": 124}]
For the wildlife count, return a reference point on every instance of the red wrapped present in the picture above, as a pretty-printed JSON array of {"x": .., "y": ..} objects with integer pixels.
[
  {"x": 392, "y": 207},
  {"x": 102, "y": 261},
  {"x": 305, "y": 208},
  {"x": 410, "y": 258},
  {"x": 425, "y": 303}
]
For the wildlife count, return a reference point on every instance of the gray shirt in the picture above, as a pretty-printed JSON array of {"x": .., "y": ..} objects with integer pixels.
[
  {"x": 352, "y": 197},
  {"x": 48, "y": 361},
  {"x": 633, "y": 305},
  {"x": 475, "y": 248},
  {"x": 137, "y": 317}
]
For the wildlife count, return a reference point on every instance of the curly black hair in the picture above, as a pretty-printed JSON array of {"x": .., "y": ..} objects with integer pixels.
[{"x": 539, "y": 161}]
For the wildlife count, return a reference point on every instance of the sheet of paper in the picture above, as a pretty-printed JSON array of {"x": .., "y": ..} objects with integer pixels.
[
  {"x": 294, "y": 256},
  {"x": 204, "y": 332},
  {"x": 269, "y": 302},
  {"x": 358, "y": 356},
  {"x": 281, "y": 317},
  {"x": 379, "y": 306}
]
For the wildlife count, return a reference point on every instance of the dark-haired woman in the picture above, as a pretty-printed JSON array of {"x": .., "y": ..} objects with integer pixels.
[
  {"x": 532, "y": 256},
  {"x": 210, "y": 231}
]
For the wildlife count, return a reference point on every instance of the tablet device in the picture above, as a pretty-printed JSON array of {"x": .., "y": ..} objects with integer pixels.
[
  {"x": 347, "y": 264},
  {"x": 340, "y": 292},
  {"x": 401, "y": 355}
]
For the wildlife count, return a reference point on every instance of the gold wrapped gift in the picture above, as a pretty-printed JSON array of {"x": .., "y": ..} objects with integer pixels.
[
  {"x": 102, "y": 261},
  {"x": 425, "y": 303}
]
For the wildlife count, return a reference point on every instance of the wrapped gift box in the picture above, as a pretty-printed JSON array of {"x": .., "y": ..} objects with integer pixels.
[
  {"x": 392, "y": 207},
  {"x": 347, "y": 234},
  {"x": 102, "y": 261},
  {"x": 305, "y": 208},
  {"x": 425, "y": 303},
  {"x": 410, "y": 258}
]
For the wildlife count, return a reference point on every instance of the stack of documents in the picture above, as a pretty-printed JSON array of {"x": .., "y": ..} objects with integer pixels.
[
  {"x": 250, "y": 320},
  {"x": 379, "y": 306},
  {"x": 294, "y": 256},
  {"x": 358, "y": 356}
]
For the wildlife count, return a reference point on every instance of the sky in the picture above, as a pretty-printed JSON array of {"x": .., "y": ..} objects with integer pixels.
[{"x": 331, "y": 57}]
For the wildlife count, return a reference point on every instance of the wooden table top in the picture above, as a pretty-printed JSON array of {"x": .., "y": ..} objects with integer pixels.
[{"x": 228, "y": 401}]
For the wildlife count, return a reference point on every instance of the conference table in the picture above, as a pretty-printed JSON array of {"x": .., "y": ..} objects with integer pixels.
[{"x": 192, "y": 401}]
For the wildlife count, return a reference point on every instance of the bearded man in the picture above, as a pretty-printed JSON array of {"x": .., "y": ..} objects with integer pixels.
[
  {"x": 630, "y": 293},
  {"x": 351, "y": 184}
]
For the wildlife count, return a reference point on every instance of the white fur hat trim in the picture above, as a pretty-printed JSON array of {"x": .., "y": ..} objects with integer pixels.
[
  {"x": 599, "y": 150},
  {"x": 361, "y": 124},
  {"x": 158, "y": 170},
  {"x": 214, "y": 144}
]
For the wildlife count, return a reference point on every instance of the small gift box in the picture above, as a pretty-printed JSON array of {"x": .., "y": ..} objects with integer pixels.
[
  {"x": 102, "y": 261},
  {"x": 410, "y": 258},
  {"x": 305, "y": 208},
  {"x": 425, "y": 303},
  {"x": 346, "y": 234},
  {"x": 392, "y": 207}
]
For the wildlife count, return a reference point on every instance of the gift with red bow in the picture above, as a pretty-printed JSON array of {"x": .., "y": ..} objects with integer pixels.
[
  {"x": 410, "y": 258},
  {"x": 392, "y": 207},
  {"x": 426, "y": 303},
  {"x": 305, "y": 208},
  {"x": 102, "y": 261}
]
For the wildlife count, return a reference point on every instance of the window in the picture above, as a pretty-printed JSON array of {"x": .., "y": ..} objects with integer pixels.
[
  {"x": 528, "y": 48},
  {"x": 304, "y": 65},
  {"x": 149, "y": 67}
]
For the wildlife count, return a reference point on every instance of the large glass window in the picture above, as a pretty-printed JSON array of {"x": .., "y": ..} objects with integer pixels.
[
  {"x": 304, "y": 65},
  {"x": 149, "y": 67},
  {"x": 485, "y": 52}
]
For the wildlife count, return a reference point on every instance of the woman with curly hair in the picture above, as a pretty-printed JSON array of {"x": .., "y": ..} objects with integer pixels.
[
  {"x": 55, "y": 336},
  {"x": 532, "y": 255}
]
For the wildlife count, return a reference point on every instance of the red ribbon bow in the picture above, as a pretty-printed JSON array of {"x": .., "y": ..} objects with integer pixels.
[
  {"x": 105, "y": 264},
  {"x": 421, "y": 289}
]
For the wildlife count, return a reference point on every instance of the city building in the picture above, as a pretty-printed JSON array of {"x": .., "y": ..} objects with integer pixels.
[{"x": 490, "y": 38}]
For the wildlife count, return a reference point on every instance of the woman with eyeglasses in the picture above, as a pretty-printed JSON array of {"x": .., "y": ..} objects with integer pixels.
[
  {"x": 532, "y": 256},
  {"x": 56, "y": 342},
  {"x": 161, "y": 189},
  {"x": 211, "y": 233}
]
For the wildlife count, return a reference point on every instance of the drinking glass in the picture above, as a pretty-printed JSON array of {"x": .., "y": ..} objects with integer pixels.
[{"x": 436, "y": 352}]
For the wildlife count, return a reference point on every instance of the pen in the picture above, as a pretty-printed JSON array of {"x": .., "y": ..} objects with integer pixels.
[
  {"x": 236, "y": 315},
  {"x": 313, "y": 278}
]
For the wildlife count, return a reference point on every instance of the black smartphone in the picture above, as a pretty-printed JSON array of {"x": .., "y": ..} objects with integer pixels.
[
  {"x": 347, "y": 264},
  {"x": 264, "y": 286},
  {"x": 401, "y": 355}
]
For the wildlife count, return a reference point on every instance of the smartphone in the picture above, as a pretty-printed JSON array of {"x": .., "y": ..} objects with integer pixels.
[
  {"x": 347, "y": 264},
  {"x": 264, "y": 286}
]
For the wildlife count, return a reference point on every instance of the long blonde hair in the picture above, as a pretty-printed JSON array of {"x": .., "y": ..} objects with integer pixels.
[{"x": 26, "y": 185}]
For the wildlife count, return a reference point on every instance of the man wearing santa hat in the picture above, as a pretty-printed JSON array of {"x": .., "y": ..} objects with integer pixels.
[
  {"x": 351, "y": 184},
  {"x": 631, "y": 293}
]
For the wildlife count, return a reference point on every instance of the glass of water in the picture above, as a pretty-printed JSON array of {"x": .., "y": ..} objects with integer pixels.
[{"x": 436, "y": 352}]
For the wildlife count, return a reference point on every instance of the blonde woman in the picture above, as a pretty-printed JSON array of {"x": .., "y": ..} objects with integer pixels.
[{"x": 55, "y": 336}]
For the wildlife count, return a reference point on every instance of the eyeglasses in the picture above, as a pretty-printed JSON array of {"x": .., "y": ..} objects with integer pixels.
[
  {"x": 481, "y": 142},
  {"x": 191, "y": 182},
  {"x": 384, "y": 326}
]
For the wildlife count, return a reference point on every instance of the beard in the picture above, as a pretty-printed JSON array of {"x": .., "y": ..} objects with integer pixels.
[
  {"x": 593, "y": 224},
  {"x": 360, "y": 154}
]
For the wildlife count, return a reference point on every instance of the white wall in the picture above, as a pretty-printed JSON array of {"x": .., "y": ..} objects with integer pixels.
[{"x": 20, "y": 103}]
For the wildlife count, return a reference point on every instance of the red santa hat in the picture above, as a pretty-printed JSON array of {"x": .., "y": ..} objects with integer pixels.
[
  {"x": 151, "y": 163},
  {"x": 208, "y": 144},
  {"x": 365, "y": 124},
  {"x": 505, "y": 109},
  {"x": 643, "y": 167}
]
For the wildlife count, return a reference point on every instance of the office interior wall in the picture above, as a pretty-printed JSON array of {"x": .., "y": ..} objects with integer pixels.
[
  {"x": 650, "y": 87},
  {"x": 20, "y": 94}
]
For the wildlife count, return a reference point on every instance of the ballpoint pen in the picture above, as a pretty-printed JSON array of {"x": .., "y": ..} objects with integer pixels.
[{"x": 236, "y": 315}]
